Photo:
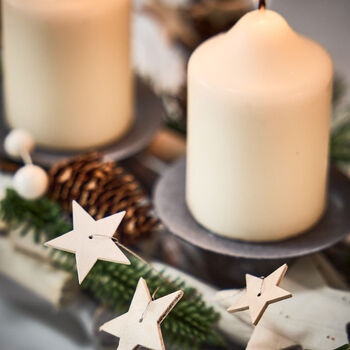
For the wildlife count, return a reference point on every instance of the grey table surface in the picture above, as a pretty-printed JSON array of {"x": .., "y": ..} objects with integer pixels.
[{"x": 28, "y": 323}]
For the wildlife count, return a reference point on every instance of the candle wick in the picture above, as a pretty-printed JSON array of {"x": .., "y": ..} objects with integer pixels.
[{"x": 262, "y": 4}]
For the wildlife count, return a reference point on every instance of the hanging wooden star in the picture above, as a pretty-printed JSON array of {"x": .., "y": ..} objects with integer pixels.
[
  {"x": 140, "y": 326},
  {"x": 90, "y": 240},
  {"x": 260, "y": 293}
]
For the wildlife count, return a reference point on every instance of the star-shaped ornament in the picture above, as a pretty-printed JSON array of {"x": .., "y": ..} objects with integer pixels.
[
  {"x": 90, "y": 240},
  {"x": 260, "y": 293},
  {"x": 140, "y": 326}
]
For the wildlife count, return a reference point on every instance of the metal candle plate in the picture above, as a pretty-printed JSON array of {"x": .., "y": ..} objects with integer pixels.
[
  {"x": 171, "y": 207},
  {"x": 148, "y": 118}
]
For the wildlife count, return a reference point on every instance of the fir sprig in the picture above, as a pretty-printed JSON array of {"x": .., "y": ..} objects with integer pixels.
[
  {"x": 190, "y": 323},
  {"x": 344, "y": 347},
  {"x": 340, "y": 138},
  {"x": 43, "y": 217},
  {"x": 340, "y": 131}
]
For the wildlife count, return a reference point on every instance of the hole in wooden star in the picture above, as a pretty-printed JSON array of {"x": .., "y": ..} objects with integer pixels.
[
  {"x": 259, "y": 295},
  {"x": 91, "y": 237}
]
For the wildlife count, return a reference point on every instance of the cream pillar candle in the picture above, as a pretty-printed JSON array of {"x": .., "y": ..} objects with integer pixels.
[
  {"x": 67, "y": 70},
  {"x": 259, "y": 104}
]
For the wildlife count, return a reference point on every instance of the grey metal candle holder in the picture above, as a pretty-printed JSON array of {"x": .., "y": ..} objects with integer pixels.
[
  {"x": 171, "y": 207},
  {"x": 148, "y": 118}
]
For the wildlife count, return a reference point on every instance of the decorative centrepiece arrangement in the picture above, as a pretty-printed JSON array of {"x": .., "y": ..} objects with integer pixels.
[
  {"x": 260, "y": 92},
  {"x": 259, "y": 106},
  {"x": 107, "y": 191}
]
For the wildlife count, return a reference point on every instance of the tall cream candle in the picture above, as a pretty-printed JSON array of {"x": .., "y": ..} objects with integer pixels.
[
  {"x": 67, "y": 70},
  {"x": 258, "y": 130}
]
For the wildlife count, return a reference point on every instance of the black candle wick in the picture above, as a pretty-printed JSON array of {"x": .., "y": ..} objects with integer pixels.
[{"x": 262, "y": 4}]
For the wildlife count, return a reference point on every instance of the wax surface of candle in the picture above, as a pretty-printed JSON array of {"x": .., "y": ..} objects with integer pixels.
[
  {"x": 258, "y": 130},
  {"x": 67, "y": 70}
]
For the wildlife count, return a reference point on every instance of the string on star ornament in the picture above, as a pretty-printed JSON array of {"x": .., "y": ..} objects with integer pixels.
[
  {"x": 92, "y": 240},
  {"x": 260, "y": 292},
  {"x": 140, "y": 326},
  {"x": 83, "y": 242},
  {"x": 121, "y": 245}
]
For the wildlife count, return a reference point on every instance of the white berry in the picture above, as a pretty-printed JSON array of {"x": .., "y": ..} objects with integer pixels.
[
  {"x": 30, "y": 181},
  {"x": 17, "y": 142}
]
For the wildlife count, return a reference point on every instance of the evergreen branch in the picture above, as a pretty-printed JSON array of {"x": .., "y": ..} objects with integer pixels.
[
  {"x": 340, "y": 138},
  {"x": 339, "y": 89},
  {"x": 43, "y": 217},
  {"x": 189, "y": 324},
  {"x": 344, "y": 347}
]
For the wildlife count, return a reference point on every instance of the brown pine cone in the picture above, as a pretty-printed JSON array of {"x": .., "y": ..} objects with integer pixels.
[{"x": 103, "y": 188}]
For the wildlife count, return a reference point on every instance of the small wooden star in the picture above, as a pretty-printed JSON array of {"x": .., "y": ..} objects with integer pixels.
[
  {"x": 260, "y": 293},
  {"x": 140, "y": 326},
  {"x": 90, "y": 240}
]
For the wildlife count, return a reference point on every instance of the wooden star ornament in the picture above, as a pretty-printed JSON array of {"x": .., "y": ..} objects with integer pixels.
[
  {"x": 140, "y": 326},
  {"x": 90, "y": 240},
  {"x": 260, "y": 293}
]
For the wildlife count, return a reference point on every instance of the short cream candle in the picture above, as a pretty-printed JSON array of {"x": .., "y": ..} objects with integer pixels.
[
  {"x": 67, "y": 70},
  {"x": 259, "y": 105}
]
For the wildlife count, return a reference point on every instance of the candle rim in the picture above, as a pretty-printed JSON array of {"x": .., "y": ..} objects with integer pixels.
[
  {"x": 293, "y": 59},
  {"x": 243, "y": 86}
]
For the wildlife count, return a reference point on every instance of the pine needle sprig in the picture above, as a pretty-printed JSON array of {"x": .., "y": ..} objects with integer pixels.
[
  {"x": 43, "y": 217},
  {"x": 190, "y": 324},
  {"x": 340, "y": 131},
  {"x": 340, "y": 138},
  {"x": 191, "y": 321}
]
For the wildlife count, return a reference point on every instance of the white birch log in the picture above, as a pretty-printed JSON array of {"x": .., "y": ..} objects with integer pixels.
[
  {"x": 54, "y": 285},
  {"x": 315, "y": 317},
  {"x": 27, "y": 245}
]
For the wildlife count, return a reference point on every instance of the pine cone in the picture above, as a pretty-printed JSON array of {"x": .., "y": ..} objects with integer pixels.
[{"x": 103, "y": 188}]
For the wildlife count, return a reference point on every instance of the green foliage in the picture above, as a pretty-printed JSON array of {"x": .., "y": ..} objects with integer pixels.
[
  {"x": 344, "y": 347},
  {"x": 339, "y": 88},
  {"x": 340, "y": 138},
  {"x": 340, "y": 133},
  {"x": 190, "y": 323},
  {"x": 43, "y": 217}
]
